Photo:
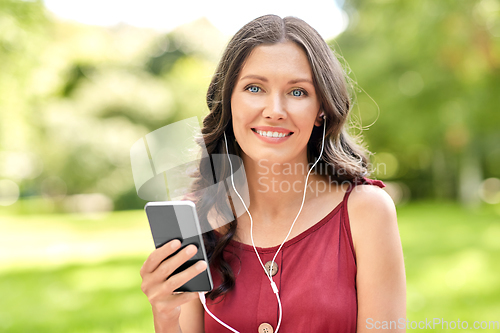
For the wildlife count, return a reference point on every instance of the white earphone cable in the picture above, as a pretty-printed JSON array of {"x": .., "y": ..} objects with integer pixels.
[
  {"x": 203, "y": 301},
  {"x": 269, "y": 275}
]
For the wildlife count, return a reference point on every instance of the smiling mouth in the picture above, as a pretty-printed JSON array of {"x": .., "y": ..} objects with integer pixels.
[{"x": 270, "y": 134}]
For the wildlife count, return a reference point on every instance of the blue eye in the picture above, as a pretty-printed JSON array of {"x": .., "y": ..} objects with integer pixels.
[
  {"x": 298, "y": 93},
  {"x": 253, "y": 89}
]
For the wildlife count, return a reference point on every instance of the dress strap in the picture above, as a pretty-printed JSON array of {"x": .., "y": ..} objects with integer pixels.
[{"x": 362, "y": 181}]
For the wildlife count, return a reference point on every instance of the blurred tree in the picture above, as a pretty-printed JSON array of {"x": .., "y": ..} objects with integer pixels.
[
  {"x": 74, "y": 98},
  {"x": 429, "y": 71},
  {"x": 22, "y": 28},
  {"x": 169, "y": 52},
  {"x": 77, "y": 74}
]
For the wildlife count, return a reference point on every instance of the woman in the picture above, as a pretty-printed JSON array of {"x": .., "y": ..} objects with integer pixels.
[{"x": 340, "y": 267}]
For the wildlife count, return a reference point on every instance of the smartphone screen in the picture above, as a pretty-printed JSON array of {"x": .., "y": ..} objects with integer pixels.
[{"x": 170, "y": 220}]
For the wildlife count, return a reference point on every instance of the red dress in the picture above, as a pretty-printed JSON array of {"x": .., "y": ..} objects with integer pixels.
[{"x": 316, "y": 280}]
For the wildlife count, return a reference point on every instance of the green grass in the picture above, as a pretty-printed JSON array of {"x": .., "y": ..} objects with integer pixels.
[
  {"x": 77, "y": 298},
  {"x": 452, "y": 258}
]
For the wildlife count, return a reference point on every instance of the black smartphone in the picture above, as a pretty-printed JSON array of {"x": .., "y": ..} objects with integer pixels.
[{"x": 178, "y": 220}]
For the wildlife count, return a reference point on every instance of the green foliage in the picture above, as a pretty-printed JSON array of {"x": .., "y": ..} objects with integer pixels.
[
  {"x": 76, "y": 74},
  {"x": 428, "y": 76},
  {"x": 74, "y": 98},
  {"x": 169, "y": 53}
]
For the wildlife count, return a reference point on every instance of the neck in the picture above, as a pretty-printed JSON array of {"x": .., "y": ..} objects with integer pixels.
[{"x": 277, "y": 189}]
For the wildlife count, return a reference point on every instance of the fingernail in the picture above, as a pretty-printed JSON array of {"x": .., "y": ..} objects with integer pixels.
[
  {"x": 191, "y": 250},
  {"x": 200, "y": 265},
  {"x": 175, "y": 243}
]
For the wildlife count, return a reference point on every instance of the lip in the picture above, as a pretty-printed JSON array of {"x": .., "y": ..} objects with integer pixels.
[{"x": 272, "y": 140}]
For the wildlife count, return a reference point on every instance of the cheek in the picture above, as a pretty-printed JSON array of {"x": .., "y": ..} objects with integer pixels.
[
  {"x": 306, "y": 109},
  {"x": 237, "y": 106},
  {"x": 242, "y": 111},
  {"x": 304, "y": 117},
  {"x": 243, "y": 104},
  {"x": 239, "y": 121}
]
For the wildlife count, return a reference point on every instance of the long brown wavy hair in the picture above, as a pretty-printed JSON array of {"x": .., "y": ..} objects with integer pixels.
[{"x": 343, "y": 159}]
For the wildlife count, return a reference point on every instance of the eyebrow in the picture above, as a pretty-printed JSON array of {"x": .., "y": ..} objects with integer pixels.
[{"x": 258, "y": 77}]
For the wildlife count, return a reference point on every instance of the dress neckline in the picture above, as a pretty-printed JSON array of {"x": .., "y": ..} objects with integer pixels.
[{"x": 303, "y": 234}]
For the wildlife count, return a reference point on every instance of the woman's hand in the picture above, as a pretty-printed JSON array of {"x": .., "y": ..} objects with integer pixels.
[{"x": 160, "y": 291}]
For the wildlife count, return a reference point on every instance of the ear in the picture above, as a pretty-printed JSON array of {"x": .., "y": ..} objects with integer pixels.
[{"x": 320, "y": 118}]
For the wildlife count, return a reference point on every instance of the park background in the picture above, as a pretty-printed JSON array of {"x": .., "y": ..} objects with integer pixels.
[{"x": 75, "y": 97}]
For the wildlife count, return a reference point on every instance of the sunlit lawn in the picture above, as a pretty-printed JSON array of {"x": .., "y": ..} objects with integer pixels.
[
  {"x": 452, "y": 261},
  {"x": 77, "y": 298}
]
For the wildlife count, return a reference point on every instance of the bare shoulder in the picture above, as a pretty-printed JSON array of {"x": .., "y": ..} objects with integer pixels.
[
  {"x": 371, "y": 212},
  {"x": 365, "y": 194},
  {"x": 380, "y": 277}
]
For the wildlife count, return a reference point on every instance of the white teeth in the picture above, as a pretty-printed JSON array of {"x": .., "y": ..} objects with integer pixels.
[{"x": 270, "y": 134}]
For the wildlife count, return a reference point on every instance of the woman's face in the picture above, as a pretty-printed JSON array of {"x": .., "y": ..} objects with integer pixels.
[{"x": 274, "y": 95}]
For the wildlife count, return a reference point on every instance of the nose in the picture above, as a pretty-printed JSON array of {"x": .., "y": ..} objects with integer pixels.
[{"x": 275, "y": 108}]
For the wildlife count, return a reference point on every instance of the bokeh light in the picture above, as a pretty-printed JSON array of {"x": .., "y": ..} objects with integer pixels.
[
  {"x": 54, "y": 188},
  {"x": 490, "y": 190},
  {"x": 386, "y": 165},
  {"x": 9, "y": 192},
  {"x": 20, "y": 165},
  {"x": 411, "y": 83},
  {"x": 399, "y": 192}
]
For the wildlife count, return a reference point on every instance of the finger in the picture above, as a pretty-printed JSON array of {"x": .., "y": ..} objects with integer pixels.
[
  {"x": 167, "y": 267},
  {"x": 179, "y": 279},
  {"x": 156, "y": 257}
]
